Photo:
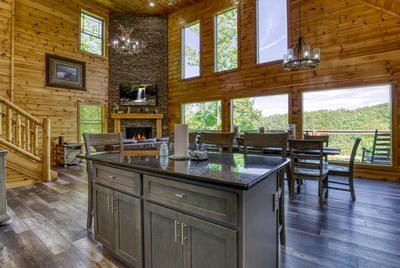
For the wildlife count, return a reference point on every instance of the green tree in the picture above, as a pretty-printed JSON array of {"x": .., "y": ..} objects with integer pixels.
[
  {"x": 246, "y": 116},
  {"x": 203, "y": 115},
  {"x": 227, "y": 34}
]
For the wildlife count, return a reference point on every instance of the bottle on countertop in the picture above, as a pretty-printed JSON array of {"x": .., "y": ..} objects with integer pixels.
[{"x": 164, "y": 149}]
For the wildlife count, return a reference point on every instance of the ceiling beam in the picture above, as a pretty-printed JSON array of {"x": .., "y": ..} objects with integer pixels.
[{"x": 391, "y": 7}]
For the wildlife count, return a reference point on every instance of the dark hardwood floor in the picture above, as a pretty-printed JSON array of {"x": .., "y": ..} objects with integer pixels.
[{"x": 48, "y": 227}]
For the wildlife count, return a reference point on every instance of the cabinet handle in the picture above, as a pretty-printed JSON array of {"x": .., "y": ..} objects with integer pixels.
[
  {"x": 112, "y": 177},
  {"x": 183, "y": 238},
  {"x": 180, "y": 195},
  {"x": 176, "y": 230}
]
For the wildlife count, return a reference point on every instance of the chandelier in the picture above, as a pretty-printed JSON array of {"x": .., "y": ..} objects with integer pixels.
[
  {"x": 124, "y": 43},
  {"x": 301, "y": 57}
]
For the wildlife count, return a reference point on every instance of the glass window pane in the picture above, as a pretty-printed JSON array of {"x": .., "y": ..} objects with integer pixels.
[
  {"x": 271, "y": 30},
  {"x": 347, "y": 113},
  {"x": 226, "y": 35},
  {"x": 91, "y": 119},
  {"x": 91, "y": 34},
  {"x": 270, "y": 112},
  {"x": 92, "y": 25},
  {"x": 202, "y": 115},
  {"x": 91, "y": 44},
  {"x": 191, "y": 51}
]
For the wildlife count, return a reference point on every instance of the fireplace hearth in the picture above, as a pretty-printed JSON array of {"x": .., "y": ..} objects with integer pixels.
[{"x": 138, "y": 133}]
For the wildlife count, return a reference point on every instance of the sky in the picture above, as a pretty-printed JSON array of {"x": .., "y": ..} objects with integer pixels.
[{"x": 346, "y": 98}]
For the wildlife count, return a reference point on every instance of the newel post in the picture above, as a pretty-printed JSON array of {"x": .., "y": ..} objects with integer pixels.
[{"x": 46, "y": 150}]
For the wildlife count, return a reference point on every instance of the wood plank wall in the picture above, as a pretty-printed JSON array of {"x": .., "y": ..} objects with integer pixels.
[
  {"x": 5, "y": 47},
  {"x": 359, "y": 46},
  {"x": 51, "y": 26}
]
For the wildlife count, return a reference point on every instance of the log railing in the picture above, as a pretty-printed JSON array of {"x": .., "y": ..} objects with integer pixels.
[{"x": 20, "y": 132}]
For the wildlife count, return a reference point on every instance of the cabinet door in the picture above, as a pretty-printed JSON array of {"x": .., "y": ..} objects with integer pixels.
[
  {"x": 162, "y": 229},
  {"x": 103, "y": 215},
  {"x": 208, "y": 245},
  {"x": 128, "y": 228}
]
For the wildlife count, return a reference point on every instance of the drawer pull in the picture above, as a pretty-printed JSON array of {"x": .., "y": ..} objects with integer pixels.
[
  {"x": 180, "y": 195},
  {"x": 112, "y": 177}
]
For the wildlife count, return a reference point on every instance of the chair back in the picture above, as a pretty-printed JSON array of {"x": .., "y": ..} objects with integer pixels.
[
  {"x": 381, "y": 150},
  {"x": 324, "y": 138},
  {"x": 219, "y": 139},
  {"x": 103, "y": 142},
  {"x": 306, "y": 155},
  {"x": 259, "y": 141},
  {"x": 353, "y": 155}
]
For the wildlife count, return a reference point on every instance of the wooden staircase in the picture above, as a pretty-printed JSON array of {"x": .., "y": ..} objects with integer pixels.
[{"x": 27, "y": 140}]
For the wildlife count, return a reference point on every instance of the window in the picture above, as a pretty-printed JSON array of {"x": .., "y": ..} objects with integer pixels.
[
  {"x": 270, "y": 112},
  {"x": 202, "y": 115},
  {"x": 92, "y": 34},
  {"x": 272, "y": 30},
  {"x": 91, "y": 119},
  {"x": 347, "y": 113},
  {"x": 191, "y": 51},
  {"x": 226, "y": 40}
]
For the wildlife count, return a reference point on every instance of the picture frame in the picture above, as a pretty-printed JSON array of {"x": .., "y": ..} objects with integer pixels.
[{"x": 65, "y": 73}]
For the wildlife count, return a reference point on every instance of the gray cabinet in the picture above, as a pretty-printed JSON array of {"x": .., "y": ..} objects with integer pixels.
[
  {"x": 104, "y": 217},
  {"x": 128, "y": 228},
  {"x": 208, "y": 245},
  {"x": 118, "y": 224},
  {"x": 4, "y": 217},
  {"x": 175, "y": 240},
  {"x": 163, "y": 247}
]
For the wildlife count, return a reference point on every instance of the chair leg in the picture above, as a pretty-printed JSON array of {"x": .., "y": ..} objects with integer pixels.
[
  {"x": 321, "y": 193},
  {"x": 351, "y": 183},
  {"x": 90, "y": 206},
  {"x": 282, "y": 210}
]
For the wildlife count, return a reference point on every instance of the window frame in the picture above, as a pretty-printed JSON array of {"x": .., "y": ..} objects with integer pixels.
[
  {"x": 103, "y": 117},
  {"x": 183, "y": 54},
  {"x": 289, "y": 38},
  {"x": 215, "y": 36},
  {"x": 393, "y": 120},
  {"x": 202, "y": 101},
  {"x": 104, "y": 32}
]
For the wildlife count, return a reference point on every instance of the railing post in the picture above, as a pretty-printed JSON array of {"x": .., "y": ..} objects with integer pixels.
[
  {"x": 9, "y": 125},
  {"x": 18, "y": 131},
  {"x": 27, "y": 135},
  {"x": 1, "y": 119},
  {"x": 46, "y": 150}
]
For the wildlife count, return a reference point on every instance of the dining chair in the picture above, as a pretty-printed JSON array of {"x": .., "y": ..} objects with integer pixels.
[
  {"x": 345, "y": 171},
  {"x": 324, "y": 138},
  {"x": 304, "y": 169},
  {"x": 218, "y": 140},
  {"x": 98, "y": 143},
  {"x": 272, "y": 140}
]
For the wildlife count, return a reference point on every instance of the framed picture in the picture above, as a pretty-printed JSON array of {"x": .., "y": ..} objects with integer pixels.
[{"x": 65, "y": 73}]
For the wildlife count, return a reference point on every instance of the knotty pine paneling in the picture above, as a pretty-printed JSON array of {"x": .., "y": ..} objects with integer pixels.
[
  {"x": 359, "y": 45},
  {"x": 5, "y": 47},
  {"x": 52, "y": 26}
]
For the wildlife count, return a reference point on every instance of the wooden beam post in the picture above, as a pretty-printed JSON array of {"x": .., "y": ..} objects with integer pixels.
[
  {"x": 9, "y": 125},
  {"x": 46, "y": 150},
  {"x": 18, "y": 131},
  {"x": 27, "y": 135}
]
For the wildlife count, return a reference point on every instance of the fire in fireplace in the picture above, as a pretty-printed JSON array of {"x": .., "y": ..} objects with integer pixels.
[{"x": 138, "y": 133}]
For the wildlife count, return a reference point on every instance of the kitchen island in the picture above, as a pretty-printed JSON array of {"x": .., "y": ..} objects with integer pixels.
[{"x": 153, "y": 212}]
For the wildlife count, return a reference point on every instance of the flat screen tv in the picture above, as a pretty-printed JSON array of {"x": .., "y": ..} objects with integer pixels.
[{"x": 138, "y": 94}]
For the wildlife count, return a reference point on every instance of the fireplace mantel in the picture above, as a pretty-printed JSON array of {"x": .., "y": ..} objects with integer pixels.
[{"x": 138, "y": 116}]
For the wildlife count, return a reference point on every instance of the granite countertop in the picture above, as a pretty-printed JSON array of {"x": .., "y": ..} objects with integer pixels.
[{"x": 232, "y": 170}]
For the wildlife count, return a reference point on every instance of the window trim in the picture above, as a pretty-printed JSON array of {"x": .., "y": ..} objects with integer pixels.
[
  {"x": 215, "y": 36},
  {"x": 393, "y": 130},
  {"x": 289, "y": 38},
  {"x": 104, "y": 32},
  {"x": 103, "y": 116},
  {"x": 182, "y": 117},
  {"x": 183, "y": 50}
]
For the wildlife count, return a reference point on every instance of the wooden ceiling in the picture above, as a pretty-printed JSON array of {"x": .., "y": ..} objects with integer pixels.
[
  {"x": 390, "y": 6},
  {"x": 143, "y": 6}
]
